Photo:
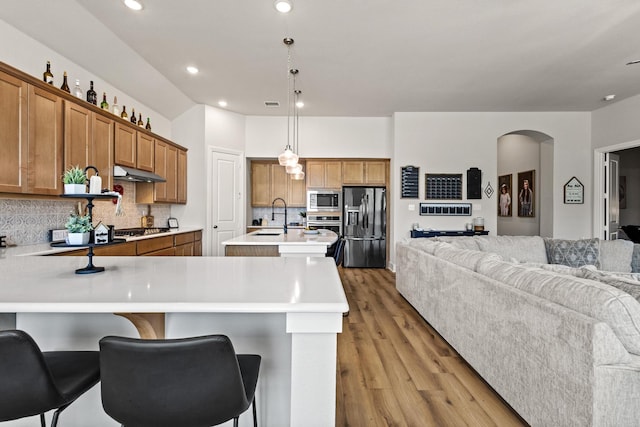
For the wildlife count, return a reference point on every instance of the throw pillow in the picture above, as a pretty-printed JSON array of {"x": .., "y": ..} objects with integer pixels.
[
  {"x": 572, "y": 253},
  {"x": 635, "y": 259},
  {"x": 615, "y": 255}
]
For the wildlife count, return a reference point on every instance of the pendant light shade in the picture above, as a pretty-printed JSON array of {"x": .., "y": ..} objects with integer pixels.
[
  {"x": 297, "y": 168},
  {"x": 288, "y": 157},
  {"x": 299, "y": 175}
]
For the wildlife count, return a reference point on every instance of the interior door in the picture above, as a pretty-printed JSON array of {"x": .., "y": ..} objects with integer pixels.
[
  {"x": 612, "y": 201},
  {"x": 226, "y": 199}
]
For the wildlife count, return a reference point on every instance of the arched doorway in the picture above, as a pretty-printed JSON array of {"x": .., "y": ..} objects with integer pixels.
[{"x": 525, "y": 171}]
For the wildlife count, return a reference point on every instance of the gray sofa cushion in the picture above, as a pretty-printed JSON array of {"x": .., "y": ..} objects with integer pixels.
[
  {"x": 521, "y": 248},
  {"x": 603, "y": 302},
  {"x": 573, "y": 253},
  {"x": 466, "y": 258},
  {"x": 616, "y": 255},
  {"x": 462, "y": 242},
  {"x": 626, "y": 283},
  {"x": 635, "y": 258}
]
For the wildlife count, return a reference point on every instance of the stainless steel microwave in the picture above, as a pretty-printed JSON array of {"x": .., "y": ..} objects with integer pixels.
[{"x": 324, "y": 200}]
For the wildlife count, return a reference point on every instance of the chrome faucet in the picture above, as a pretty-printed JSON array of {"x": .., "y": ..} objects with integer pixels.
[{"x": 273, "y": 215}]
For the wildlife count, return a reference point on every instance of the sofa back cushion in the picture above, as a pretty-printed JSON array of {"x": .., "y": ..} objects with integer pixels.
[
  {"x": 462, "y": 242},
  {"x": 573, "y": 253},
  {"x": 521, "y": 248},
  {"x": 466, "y": 258},
  {"x": 610, "y": 305},
  {"x": 616, "y": 255}
]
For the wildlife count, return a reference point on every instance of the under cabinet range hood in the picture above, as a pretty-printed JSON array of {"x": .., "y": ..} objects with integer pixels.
[{"x": 135, "y": 175}]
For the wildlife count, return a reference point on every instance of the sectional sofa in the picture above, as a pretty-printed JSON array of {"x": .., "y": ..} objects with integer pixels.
[{"x": 559, "y": 340}]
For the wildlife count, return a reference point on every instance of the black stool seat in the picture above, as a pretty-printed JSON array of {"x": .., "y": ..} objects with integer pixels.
[
  {"x": 188, "y": 382},
  {"x": 34, "y": 382}
]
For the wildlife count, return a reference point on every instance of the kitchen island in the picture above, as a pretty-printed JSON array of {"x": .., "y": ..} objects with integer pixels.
[
  {"x": 274, "y": 242},
  {"x": 289, "y": 310}
]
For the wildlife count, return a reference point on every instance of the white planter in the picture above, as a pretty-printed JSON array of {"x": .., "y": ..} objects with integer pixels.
[
  {"x": 78, "y": 238},
  {"x": 75, "y": 189}
]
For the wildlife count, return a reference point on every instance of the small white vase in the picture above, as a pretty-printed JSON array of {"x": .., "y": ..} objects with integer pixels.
[
  {"x": 78, "y": 238},
  {"x": 75, "y": 189}
]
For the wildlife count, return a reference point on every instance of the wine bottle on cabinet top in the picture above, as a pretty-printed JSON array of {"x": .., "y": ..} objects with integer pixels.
[
  {"x": 148, "y": 126},
  {"x": 77, "y": 90},
  {"x": 92, "y": 96},
  {"x": 133, "y": 116},
  {"x": 124, "y": 114},
  {"x": 104, "y": 104},
  {"x": 65, "y": 85},
  {"x": 140, "y": 122},
  {"x": 47, "y": 76},
  {"x": 115, "y": 108}
]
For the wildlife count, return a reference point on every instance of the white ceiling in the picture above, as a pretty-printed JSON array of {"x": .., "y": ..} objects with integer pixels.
[{"x": 356, "y": 57}]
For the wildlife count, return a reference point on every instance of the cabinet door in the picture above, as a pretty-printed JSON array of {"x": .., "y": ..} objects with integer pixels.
[
  {"x": 260, "y": 184},
  {"x": 353, "y": 172},
  {"x": 298, "y": 191},
  {"x": 45, "y": 142},
  {"x": 172, "y": 174},
  {"x": 160, "y": 188},
  {"x": 125, "y": 145},
  {"x": 145, "y": 152},
  {"x": 315, "y": 174},
  {"x": 375, "y": 172},
  {"x": 78, "y": 135},
  {"x": 13, "y": 134},
  {"x": 279, "y": 183},
  {"x": 102, "y": 148},
  {"x": 182, "y": 176},
  {"x": 333, "y": 174}
]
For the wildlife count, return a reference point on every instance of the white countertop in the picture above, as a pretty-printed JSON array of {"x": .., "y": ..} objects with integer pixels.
[
  {"x": 172, "y": 284},
  {"x": 46, "y": 249},
  {"x": 295, "y": 237}
]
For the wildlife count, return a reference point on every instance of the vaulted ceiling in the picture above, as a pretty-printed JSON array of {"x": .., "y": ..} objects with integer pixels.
[{"x": 356, "y": 57}]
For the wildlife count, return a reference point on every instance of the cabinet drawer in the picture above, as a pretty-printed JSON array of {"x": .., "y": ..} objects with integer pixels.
[
  {"x": 154, "y": 244},
  {"x": 197, "y": 235},
  {"x": 162, "y": 252},
  {"x": 123, "y": 249},
  {"x": 183, "y": 238}
]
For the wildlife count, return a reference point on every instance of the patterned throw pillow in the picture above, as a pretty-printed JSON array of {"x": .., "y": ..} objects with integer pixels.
[{"x": 572, "y": 253}]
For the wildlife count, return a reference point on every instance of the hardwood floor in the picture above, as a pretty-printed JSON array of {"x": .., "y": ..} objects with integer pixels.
[{"x": 395, "y": 370}]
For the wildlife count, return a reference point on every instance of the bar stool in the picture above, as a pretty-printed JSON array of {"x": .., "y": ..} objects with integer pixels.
[
  {"x": 33, "y": 382},
  {"x": 187, "y": 382}
]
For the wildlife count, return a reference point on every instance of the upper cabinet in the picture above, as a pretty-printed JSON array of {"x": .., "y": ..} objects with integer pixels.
[
  {"x": 44, "y": 167},
  {"x": 13, "y": 134},
  {"x": 364, "y": 172},
  {"x": 170, "y": 162},
  {"x": 269, "y": 181},
  {"x": 324, "y": 174},
  {"x": 44, "y": 130}
]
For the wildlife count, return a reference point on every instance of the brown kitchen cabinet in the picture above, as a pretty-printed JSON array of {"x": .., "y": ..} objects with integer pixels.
[
  {"x": 145, "y": 152},
  {"x": 269, "y": 181},
  {"x": 154, "y": 244},
  {"x": 182, "y": 176},
  {"x": 324, "y": 174},
  {"x": 364, "y": 172},
  {"x": 13, "y": 134},
  {"x": 133, "y": 148},
  {"x": 88, "y": 140},
  {"x": 184, "y": 244}
]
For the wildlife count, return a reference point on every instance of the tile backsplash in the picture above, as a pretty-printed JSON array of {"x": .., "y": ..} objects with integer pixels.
[
  {"x": 292, "y": 215},
  {"x": 27, "y": 222}
]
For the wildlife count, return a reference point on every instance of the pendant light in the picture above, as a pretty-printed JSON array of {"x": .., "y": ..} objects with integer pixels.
[
  {"x": 288, "y": 157},
  {"x": 296, "y": 173}
]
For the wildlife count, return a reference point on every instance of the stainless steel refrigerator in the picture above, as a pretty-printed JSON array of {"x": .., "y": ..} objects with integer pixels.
[{"x": 364, "y": 226}]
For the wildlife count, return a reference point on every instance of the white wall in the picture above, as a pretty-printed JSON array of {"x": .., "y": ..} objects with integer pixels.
[
  {"x": 453, "y": 142},
  {"x": 347, "y": 137},
  {"x": 518, "y": 153},
  {"x": 30, "y": 56},
  {"x": 616, "y": 123}
]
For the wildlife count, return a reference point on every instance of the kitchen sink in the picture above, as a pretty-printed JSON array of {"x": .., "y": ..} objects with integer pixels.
[{"x": 267, "y": 233}]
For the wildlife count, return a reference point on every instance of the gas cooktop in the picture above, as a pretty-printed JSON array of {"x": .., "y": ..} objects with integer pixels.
[{"x": 135, "y": 232}]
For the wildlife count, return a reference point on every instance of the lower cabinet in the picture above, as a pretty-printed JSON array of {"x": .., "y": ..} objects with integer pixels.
[{"x": 182, "y": 244}]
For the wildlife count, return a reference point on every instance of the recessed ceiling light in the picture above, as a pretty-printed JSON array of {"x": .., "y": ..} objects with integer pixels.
[
  {"x": 283, "y": 6},
  {"x": 133, "y": 4},
  {"x": 300, "y": 104},
  {"x": 609, "y": 97},
  {"x": 222, "y": 103},
  {"x": 193, "y": 70}
]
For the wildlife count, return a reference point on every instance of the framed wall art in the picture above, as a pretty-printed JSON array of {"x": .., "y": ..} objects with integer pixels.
[
  {"x": 504, "y": 199},
  {"x": 573, "y": 191},
  {"x": 526, "y": 194}
]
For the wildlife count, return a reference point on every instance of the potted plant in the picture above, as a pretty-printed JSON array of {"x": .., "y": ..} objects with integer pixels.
[
  {"x": 79, "y": 229},
  {"x": 75, "y": 181},
  {"x": 303, "y": 214}
]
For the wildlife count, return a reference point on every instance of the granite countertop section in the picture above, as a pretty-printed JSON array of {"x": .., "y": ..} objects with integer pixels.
[
  {"x": 293, "y": 237},
  {"x": 46, "y": 249}
]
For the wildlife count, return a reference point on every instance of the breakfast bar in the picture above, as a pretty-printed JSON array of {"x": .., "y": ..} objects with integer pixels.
[{"x": 289, "y": 310}]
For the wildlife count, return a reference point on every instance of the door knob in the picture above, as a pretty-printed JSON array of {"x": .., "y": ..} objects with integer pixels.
[{"x": 215, "y": 226}]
